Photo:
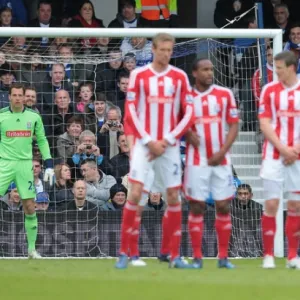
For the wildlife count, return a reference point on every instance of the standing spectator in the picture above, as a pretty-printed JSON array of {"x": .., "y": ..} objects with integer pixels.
[
  {"x": 61, "y": 191},
  {"x": 107, "y": 137},
  {"x": 69, "y": 141},
  {"x": 86, "y": 18},
  {"x": 42, "y": 201},
  {"x": 44, "y": 19},
  {"x": 98, "y": 183},
  {"x": 118, "y": 196},
  {"x": 30, "y": 98},
  {"x": 80, "y": 203},
  {"x": 120, "y": 162},
  {"x": 37, "y": 171},
  {"x": 157, "y": 13},
  {"x": 18, "y": 11}
]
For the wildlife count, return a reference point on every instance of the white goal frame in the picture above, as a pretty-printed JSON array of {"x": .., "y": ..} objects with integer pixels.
[{"x": 275, "y": 34}]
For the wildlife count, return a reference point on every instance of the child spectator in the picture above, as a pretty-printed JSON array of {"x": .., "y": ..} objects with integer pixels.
[
  {"x": 129, "y": 62},
  {"x": 85, "y": 96}
]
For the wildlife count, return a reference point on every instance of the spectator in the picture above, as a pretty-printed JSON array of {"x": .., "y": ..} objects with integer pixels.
[
  {"x": 42, "y": 201},
  {"x": 30, "y": 98},
  {"x": 105, "y": 79},
  {"x": 7, "y": 77},
  {"x": 118, "y": 196},
  {"x": 80, "y": 203},
  {"x": 129, "y": 62},
  {"x": 69, "y": 141},
  {"x": 44, "y": 19},
  {"x": 86, "y": 18},
  {"x": 18, "y": 11},
  {"x": 157, "y": 13},
  {"x": 141, "y": 47},
  {"x": 53, "y": 48},
  {"x": 120, "y": 162},
  {"x": 98, "y": 184},
  {"x": 61, "y": 192},
  {"x": 84, "y": 96},
  {"x": 293, "y": 44},
  {"x": 268, "y": 9},
  {"x": 12, "y": 198},
  {"x": 107, "y": 137},
  {"x": 281, "y": 16},
  {"x": 256, "y": 80},
  {"x": 95, "y": 113},
  {"x": 37, "y": 172},
  {"x": 229, "y": 9},
  {"x": 5, "y": 21},
  {"x": 155, "y": 202}
]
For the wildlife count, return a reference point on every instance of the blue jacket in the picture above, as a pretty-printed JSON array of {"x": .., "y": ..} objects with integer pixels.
[{"x": 18, "y": 9}]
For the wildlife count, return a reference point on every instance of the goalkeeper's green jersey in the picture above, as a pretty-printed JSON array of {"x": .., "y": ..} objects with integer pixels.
[{"x": 17, "y": 131}]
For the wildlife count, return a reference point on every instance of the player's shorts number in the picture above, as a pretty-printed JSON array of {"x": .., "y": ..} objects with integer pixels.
[
  {"x": 30, "y": 185},
  {"x": 176, "y": 168}
]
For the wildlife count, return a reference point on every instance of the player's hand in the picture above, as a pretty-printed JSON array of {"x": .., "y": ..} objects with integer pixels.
[
  {"x": 157, "y": 148},
  {"x": 216, "y": 159},
  {"x": 290, "y": 154},
  {"x": 192, "y": 138},
  {"x": 49, "y": 176}
]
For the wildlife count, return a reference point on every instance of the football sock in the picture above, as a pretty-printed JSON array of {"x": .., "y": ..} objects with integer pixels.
[
  {"x": 134, "y": 238},
  {"x": 223, "y": 229},
  {"x": 165, "y": 242},
  {"x": 268, "y": 225},
  {"x": 31, "y": 228},
  {"x": 292, "y": 227},
  {"x": 195, "y": 225}
]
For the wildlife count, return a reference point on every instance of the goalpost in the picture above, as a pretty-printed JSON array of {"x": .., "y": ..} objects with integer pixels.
[{"x": 232, "y": 67}]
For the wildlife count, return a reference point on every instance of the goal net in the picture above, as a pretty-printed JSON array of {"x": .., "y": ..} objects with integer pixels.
[{"x": 75, "y": 83}]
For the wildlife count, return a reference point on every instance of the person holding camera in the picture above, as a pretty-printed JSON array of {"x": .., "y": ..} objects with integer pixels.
[{"x": 107, "y": 138}]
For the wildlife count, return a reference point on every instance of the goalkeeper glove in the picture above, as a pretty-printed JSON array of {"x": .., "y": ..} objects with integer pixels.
[{"x": 49, "y": 176}]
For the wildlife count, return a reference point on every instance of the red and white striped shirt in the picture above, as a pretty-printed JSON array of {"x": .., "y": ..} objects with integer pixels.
[
  {"x": 282, "y": 106},
  {"x": 256, "y": 87},
  {"x": 158, "y": 105},
  {"x": 214, "y": 109}
]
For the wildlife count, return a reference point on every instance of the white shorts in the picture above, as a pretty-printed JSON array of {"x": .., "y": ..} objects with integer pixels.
[
  {"x": 200, "y": 181},
  {"x": 166, "y": 168},
  {"x": 279, "y": 178}
]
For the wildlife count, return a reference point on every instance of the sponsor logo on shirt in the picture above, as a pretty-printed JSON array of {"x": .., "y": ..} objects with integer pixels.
[
  {"x": 208, "y": 120},
  {"x": 285, "y": 113},
  {"x": 156, "y": 99},
  {"x": 261, "y": 109},
  {"x": 233, "y": 113},
  {"x": 131, "y": 96},
  {"x": 18, "y": 133},
  {"x": 28, "y": 125},
  {"x": 189, "y": 99}
]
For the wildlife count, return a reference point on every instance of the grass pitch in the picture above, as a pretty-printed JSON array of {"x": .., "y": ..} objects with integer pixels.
[{"x": 98, "y": 279}]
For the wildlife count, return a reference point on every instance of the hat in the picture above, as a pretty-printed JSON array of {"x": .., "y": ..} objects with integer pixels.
[
  {"x": 5, "y": 69},
  {"x": 128, "y": 2},
  {"x": 11, "y": 187},
  {"x": 116, "y": 188},
  {"x": 42, "y": 197}
]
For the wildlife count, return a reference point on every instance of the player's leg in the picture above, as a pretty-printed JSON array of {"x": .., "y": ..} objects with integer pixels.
[
  {"x": 7, "y": 174},
  {"x": 137, "y": 176},
  {"x": 222, "y": 188},
  {"x": 25, "y": 184}
]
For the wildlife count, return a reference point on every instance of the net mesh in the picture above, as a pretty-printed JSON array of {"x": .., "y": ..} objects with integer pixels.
[{"x": 69, "y": 64}]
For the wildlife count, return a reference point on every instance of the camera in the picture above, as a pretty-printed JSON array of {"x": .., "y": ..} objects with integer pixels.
[
  {"x": 88, "y": 147},
  {"x": 113, "y": 123}
]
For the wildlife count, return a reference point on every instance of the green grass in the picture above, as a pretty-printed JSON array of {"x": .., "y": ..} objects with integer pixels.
[{"x": 98, "y": 279}]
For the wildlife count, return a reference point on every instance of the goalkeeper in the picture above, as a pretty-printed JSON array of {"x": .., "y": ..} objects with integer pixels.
[{"x": 18, "y": 125}]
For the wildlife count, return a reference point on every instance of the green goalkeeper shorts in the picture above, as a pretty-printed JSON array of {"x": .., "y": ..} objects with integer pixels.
[{"x": 21, "y": 173}]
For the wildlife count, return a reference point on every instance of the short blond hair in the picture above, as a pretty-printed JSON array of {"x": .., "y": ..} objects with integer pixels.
[{"x": 162, "y": 37}]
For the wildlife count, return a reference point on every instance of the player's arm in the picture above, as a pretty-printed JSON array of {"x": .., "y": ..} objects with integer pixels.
[
  {"x": 265, "y": 116},
  {"x": 187, "y": 107},
  {"x": 256, "y": 85}
]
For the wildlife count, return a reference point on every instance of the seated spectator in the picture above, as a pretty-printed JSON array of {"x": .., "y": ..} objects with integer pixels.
[
  {"x": 95, "y": 113},
  {"x": 44, "y": 19},
  {"x": 2, "y": 60},
  {"x": 98, "y": 183},
  {"x": 5, "y": 21},
  {"x": 118, "y": 196},
  {"x": 30, "y": 98},
  {"x": 129, "y": 62},
  {"x": 57, "y": 118},
  {"x": 86, "y": 18},
  {"x": 120, "y": 162},
  {"x": 7, "y": 77},
  {"x": 12, "y": 198},
  {"x": 80, "y": 193},
  {"x": 52, "y": 84},
  {"x": 32, "y": 73},
  {"x": 101, "y": 46},
  {"x": 53, "y": 48},
  {"x": 281, "y": 16},
  {"x": 243, "y": 199},
  {"x": 61, "y": 191},
  {"x": 106, "y": 75},
  {"x": 107, "y": 137},
  {"x": 84, "y": 96},
  {"x": 293, "y": 44},
  {"x": 42, "y": 201},
  {"x": 141, "y": 47},
  {"x": 68, "y": 142},
  {"x": 37, "y": 172},
  {"x": 18, "y": 9},
  {"x": 155, "y": 202}
]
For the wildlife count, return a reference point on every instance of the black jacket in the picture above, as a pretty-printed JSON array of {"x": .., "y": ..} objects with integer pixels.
[
  {"x": 120, "y": 165},
  {"x": 36, "y": 23},
  {"x": 118, "y": 21}
]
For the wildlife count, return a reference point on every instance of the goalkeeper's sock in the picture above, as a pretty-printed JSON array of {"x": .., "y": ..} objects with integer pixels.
[
  {"x": 31, "y": 228},
  {"x": 129, "y": 213},
  {"x": 292, "y": 227},
  {"x": 134, "y": 237},
  {"x": 195, "y": 224},
  {"x": 174, "y": 228},
  {"x": 165, "y": 242},
  {"x": 268, "y": 224},
  {"x": 223, "y": 229}
]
